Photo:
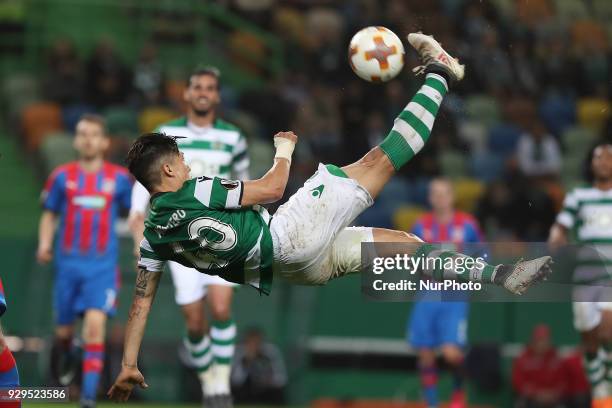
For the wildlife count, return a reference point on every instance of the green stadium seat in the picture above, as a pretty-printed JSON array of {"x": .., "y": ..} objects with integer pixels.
[
  {"x": 56, "y": 149},
  {"x": 482, "y": 108},
  {"x": 571, "y": 10},
  {"x": 572, "y": 170},
  {"x": 453, "y": 164},
  {"x": 506, "y": 7},
  {"x": 602, "y": 9},
  {"x": 18, "y": 91},
  {"x": 577, "y": 142},
  {"x": 474, "y": 133},
  {"x": 121, "y": 121}
]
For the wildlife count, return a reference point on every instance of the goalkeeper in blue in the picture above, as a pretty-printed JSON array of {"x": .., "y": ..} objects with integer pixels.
[{"x": 219, "y": 227}]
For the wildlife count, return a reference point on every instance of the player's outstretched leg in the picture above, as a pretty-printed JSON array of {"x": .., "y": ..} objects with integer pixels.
[
  {"x": 413, "y": 126},
  {"x": 516, "y": 277}
]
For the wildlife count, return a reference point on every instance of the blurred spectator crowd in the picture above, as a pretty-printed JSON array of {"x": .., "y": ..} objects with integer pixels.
[{"x": 513, "y": 136}]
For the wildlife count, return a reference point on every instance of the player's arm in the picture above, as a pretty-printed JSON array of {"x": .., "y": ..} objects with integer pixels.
[
  {"x": 46, "y": 230},
  {"x": 271, "y": 186},
  {"x": 139, "y": 202},
  {"x": 558, "y": 236},
  {"x": 559, "y": 232},
  {"x": 52, "y": 200},
  {"x": 147, "y": 283}
]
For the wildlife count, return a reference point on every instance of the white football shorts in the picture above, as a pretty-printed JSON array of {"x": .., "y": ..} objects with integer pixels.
[
  {"x": 312, "y": 243},
  {"x": 593, "y": 300}
]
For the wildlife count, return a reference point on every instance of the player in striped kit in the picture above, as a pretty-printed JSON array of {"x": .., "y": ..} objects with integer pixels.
[
  {"x": 85, "y": 196},
  {"x": 9, "y": 376},
  {"x": 212, "y": 147},
  {"x": 219, "y": 227},
  {"x": 435, "y": 323},
  {"x": 587, "y": 212}
]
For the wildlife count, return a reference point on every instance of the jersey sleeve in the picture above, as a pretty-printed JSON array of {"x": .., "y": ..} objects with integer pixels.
[
  {"x": 240, "y": 160},
  {"x": 217, "y": 193},
  {"x": 149, "y": 260},
  {"x": 473, "y": 232},
  {"x": 417, "y": 229},
  {"x": 52, "y": 196},
  {"x": 139, "y": 199},
  {"x": 567, "y": 216},
  {"x": 124, "y": 191}
]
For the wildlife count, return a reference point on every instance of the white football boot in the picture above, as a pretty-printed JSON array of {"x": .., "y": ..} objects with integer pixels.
[
  {"x": 518, "y": 277},
  {"x": 432, "y": 53}
]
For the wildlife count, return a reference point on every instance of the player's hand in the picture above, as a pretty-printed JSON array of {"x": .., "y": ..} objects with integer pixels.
[
  {"x": 125, "y": 382},
  {"x": 44, "y": 255},
  {"x": 287, "y": 135}
]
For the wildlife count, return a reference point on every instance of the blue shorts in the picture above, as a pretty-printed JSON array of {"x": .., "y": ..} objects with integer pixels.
[
  {"x": 433, "y": 324},
  {"x": 80, "y": 286}
]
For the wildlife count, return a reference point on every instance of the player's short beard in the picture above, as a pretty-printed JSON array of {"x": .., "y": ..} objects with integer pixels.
[{"x": 201, "y": 112}]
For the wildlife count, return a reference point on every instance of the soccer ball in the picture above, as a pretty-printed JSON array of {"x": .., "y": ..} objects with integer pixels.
[{"x": 376, "y": 54}]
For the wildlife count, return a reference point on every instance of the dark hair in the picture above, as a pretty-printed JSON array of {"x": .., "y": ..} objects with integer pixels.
[
  {"x": 94, "y": 118},
  {"x": 205, "y": 70},
  {"x": 587, "y": 165},
  {"x": 145, "y": 154}
]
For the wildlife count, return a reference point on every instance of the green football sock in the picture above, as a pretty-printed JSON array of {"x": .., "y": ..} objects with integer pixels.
[
  {"x": 199, "y": 351},
  {"x": 442, "y": 264},
  {"x": 223, "y": 335},
  {"x": 413, "y": 126}
]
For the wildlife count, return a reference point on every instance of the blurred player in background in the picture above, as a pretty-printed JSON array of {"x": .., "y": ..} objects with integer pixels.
[
  {"x": 436, "y": 324},
  {"x": 85, "y": 196},
  {"x": 9, "y": 376},
  {"x": 587, "y": 213},
  {"x": 211, "y": 147}
]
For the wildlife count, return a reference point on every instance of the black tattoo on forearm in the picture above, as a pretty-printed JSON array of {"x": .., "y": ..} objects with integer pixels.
[
  {"x": 134, "y": 312},
  {"x": 142, "y": 279}
]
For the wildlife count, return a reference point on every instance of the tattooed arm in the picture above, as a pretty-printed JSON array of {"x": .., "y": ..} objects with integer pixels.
[{"x": 144, "y": 293}]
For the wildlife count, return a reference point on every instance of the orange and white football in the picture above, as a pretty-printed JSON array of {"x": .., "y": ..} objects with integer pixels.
[{"x": 376, "y": 54}]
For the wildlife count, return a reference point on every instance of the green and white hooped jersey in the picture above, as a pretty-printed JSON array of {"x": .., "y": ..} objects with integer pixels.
[
  {"x": 588, "y": 212},
  {"x": 220, "y": 150},
  {"x": 203, "y": 226}
]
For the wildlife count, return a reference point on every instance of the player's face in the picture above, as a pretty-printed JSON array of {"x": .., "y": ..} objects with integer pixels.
[
  {"x": 202, "y": 95},
  {"x": 90, "y": 141},
  {"x": 181, "y": 168},
  {"x": 602, "y": 162},
  {"x": 441, "y": 195}
]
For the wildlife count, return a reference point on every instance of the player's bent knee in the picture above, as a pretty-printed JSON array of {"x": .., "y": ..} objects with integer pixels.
[
  {"x": 221, "y": 310},
  {"x": 452, "y": 354},
  {"x": 388, "y": 235},
  {"x": 94, "y": 326},
  {"x": 64, "y": 332}
]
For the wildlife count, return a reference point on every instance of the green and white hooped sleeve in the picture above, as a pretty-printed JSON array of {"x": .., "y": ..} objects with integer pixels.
[
  {"x": 149, "y": 260},
  {"x": 567, "y": 216},
  {"x": 217, "y": 193}
]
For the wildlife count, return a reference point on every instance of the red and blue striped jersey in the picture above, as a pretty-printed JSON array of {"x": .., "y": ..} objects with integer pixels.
[
  {"x": 88, "y": 205},
  {"x": 463, "y": 228}
]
